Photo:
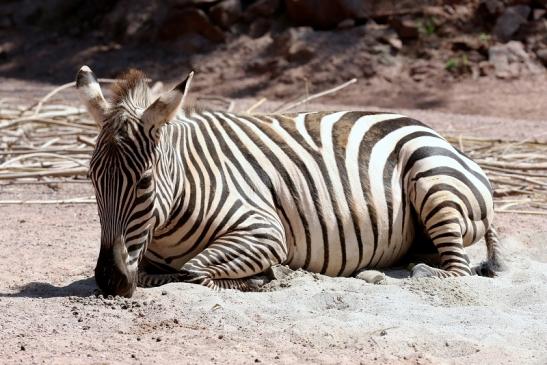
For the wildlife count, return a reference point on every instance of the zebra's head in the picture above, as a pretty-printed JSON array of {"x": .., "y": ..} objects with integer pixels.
[{"x": 123, "y": 170}]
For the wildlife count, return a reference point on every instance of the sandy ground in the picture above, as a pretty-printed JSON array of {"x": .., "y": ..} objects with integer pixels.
[{"x": 49, "y": 313}]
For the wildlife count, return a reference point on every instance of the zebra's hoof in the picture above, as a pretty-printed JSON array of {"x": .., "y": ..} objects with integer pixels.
[
  {"x": 422, "y": 271},
  {"x": 256, "y": 282},
  {"x": 484, "y": 269}
]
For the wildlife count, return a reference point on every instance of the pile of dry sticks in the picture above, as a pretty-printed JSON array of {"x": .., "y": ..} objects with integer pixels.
[{"x": 49, "y": 143}]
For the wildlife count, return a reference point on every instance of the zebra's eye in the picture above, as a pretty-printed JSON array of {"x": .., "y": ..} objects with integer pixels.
[{"x": 145, "y": 180}]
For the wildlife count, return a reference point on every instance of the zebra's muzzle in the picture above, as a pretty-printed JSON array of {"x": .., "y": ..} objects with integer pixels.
[{"x": 111, "y": 273}]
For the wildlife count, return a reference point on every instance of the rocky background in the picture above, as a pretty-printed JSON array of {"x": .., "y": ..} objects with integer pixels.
[{"x": 275, "y": 48}]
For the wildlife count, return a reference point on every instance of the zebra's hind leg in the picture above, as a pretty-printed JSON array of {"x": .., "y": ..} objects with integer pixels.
[{"x": 448, "y": 240}]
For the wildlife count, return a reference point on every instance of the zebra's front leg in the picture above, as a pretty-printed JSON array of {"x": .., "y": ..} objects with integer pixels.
[
  {"x": 195, "y": 275},
  {"x": 231, "y": 261},
  {"x": 147, "y": 280},
  {"x": 234, "y": 260}
]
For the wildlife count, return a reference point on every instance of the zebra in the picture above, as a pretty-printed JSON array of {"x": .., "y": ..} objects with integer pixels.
[{"x": 217, "y": 198}]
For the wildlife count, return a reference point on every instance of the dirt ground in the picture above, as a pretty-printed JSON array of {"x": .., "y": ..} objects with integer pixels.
[{"x": 49, "y": 313}]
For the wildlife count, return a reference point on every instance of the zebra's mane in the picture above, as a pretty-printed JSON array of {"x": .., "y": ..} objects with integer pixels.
[{"x": 132, "y": 90}]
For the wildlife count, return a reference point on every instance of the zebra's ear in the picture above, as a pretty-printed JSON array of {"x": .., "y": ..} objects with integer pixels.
[
  {"x": 166, "y": 107},
  {"x": 91, "y": 95}
]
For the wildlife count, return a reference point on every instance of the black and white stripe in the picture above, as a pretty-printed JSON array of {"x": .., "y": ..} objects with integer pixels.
[{"x": 216, "y": 198}]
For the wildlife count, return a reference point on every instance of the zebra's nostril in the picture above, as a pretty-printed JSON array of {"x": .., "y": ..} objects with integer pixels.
[
  {"x": 113, "y": 282},
  {"x": 112, "y": 276}
]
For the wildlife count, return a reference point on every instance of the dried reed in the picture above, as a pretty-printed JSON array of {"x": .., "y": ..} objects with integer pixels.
[{"x": 51, "y": 143}]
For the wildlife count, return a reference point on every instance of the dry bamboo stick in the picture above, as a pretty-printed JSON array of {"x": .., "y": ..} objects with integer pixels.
[
  {"x": 46, "y": 182},
  {"x": 525, "y": 156},
  {"x": 495, "y": 140},
  {"x": 536, "y": 212},
  {"x": 229, "y": 102},
  {"x": 252, "y": 108},
  {"x": 315, "y": 96},
  {"x": 509, "y": 205},
  {"x": 57, "y": 173},
  {"x": 517, "y": 177},
  {"x": 45, "y": 121},
  {"x": 504, "y": 182},
  {"x": 523, "y": 166},
  {"x": 513, "y": 172},
  {"x": 87, "y": 141},
  {"x": 43, "y": 154},
  {"x": 60, "y": 88},
  {"x": 56, "y": 150},
  {"x": 79, "y": 200}
]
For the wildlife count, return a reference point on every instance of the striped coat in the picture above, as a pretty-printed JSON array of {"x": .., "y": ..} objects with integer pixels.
[{"x": 221, "y": 197}]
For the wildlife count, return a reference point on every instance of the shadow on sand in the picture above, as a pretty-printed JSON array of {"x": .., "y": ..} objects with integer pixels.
[{"x": 79, "y": 288}]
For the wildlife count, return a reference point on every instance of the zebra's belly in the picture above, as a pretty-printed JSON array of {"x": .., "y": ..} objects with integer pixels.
[{"x": 336, "y": 254}]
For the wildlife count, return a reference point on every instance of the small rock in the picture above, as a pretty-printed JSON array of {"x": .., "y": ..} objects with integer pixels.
[
  {"x": 542, "y": 56},
  {"x": 226, "y": 13},
  {"x": 163, "y": 292},
  {"x": 259, "y": 27},
  {"x": 383, "y": 332},
  {"x": 511, "y": 60},
  {"x": 493, "y": 7},
  {"x": 510, "y": 21},
  {"x": 486, "y": 68},
  {"x": 23, "y": 348},
  {"x": 300, "y": 53},
  {"x": 346, "y": 23},
  {"x": 158, "y": 339},
  {"x": 406, "y": 27},
  {"x": 187, "y": 21},
  {"x": 263, "y": 8},
  {"x": 420, "y": 69},
  {"x": 175, "y": 321},
  {"x": 538, "y": 13},
  {"x": 395, "y": 43},
  {"x": 325, "y": 13},
  {"x": 281, "y": 43},
  {"x": 220, "y": 337},
  {"x": 466, "y": 43},
  {"x": 262, "y": 66}
]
